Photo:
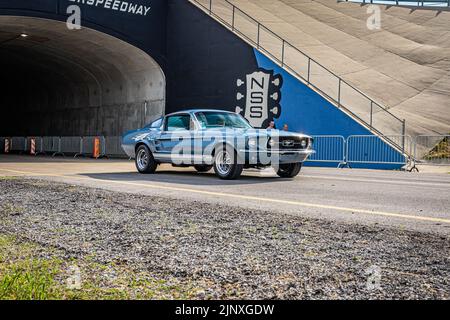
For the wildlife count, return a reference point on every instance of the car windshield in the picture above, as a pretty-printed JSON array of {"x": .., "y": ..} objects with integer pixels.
[{"x": 213, "y": 119}]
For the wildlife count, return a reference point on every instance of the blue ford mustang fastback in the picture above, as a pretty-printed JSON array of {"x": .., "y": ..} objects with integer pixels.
[{"x": 222, "y": 140}]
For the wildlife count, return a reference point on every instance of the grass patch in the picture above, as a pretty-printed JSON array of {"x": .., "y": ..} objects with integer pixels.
[
  {"x": 31, "y": 272},
  {"x": 30, "y": 280},
  {"x": 23, "y": 277}
]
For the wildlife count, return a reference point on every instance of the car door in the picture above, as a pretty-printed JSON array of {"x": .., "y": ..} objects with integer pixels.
[
  {"x": 175, "y": 144},
  {"x": 204, "y": 140}
]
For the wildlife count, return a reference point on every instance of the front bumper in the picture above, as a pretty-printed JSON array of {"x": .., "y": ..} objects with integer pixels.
[{"x": 269, "y": 157}]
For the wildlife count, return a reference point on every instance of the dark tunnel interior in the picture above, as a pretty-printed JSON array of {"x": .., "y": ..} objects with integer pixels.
[{"x": 64, "y": 82}]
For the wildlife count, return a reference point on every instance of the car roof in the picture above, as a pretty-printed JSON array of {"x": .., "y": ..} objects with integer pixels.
[{"x": 191, "y": 111}]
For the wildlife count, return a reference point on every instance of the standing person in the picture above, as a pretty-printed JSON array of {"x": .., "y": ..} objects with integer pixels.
[
  {"x": 285, "y": 127},
  {"x": 271, "y": 125}
]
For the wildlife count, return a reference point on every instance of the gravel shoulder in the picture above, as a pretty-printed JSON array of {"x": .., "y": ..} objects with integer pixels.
[{"x": 223, "y": 252}]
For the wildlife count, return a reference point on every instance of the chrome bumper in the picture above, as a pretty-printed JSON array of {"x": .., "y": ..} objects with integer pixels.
[{"x": 281, "y": 156}]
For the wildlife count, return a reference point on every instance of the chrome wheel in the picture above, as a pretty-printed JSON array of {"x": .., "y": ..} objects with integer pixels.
[
  {"x": 224, "y": 162},
  {"x": 142, "y": 159},
  {"x": 145, "y": 163}
]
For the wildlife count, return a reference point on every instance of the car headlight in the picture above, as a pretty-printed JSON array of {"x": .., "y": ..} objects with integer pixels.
[
  {"x": 271, "y": 142},
  {"x": 304, "y": 143}
]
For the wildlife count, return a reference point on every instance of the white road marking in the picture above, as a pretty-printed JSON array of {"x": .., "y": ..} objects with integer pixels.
[{"x": 409, "y": 183}]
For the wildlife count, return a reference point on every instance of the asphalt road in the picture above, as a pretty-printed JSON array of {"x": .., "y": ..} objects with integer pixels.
[{"x": 412, "y": 201}]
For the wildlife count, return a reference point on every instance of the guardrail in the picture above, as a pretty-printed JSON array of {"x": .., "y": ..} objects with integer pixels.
[
  {"x": 340, "y": 92},
  {"x": 355, "y": 149}
]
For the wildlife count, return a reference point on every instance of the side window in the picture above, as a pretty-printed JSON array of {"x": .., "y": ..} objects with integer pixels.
[{"x": 178, "y": 122}]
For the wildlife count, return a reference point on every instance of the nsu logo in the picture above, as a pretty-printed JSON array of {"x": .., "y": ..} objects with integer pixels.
[{"x": 260, "y": 103}]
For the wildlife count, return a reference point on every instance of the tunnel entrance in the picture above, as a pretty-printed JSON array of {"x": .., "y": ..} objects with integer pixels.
[{"x": 61, "y": 82}]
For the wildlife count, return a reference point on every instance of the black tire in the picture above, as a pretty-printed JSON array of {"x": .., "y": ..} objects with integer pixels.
[
  {"x": 229, "y": 169},
  {"x": 145, "y": 163},
  {"x": 203, "y": 168},
  {"x": 289, "y": 170}
]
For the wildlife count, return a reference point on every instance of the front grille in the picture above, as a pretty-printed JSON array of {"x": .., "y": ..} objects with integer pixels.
[{"x": 289, "y": 143}]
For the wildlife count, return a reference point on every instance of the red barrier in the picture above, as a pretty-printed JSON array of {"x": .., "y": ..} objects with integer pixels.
[{"x": 96, "y": 152}]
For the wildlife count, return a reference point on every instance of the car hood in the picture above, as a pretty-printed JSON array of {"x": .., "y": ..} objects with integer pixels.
[
  {"x": 274, "y": 133},
  {"x": 256, "y": 132}
]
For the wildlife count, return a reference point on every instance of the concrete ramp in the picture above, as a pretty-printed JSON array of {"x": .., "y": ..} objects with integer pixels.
[{"x": 404, "y": 66}]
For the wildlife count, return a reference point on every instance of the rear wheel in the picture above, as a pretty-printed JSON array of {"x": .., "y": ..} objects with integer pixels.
[
  {"x": 289, "y": 170},
  {"x": 203, "y": 168},
  {"x": 145, "y": 163},
  {"x": 226, "y": 164}
]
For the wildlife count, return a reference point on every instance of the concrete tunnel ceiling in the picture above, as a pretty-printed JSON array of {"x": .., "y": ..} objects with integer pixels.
[{"x": 58, "y": 81}]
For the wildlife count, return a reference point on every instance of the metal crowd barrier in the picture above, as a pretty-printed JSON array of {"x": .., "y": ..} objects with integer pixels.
[
  {"x": 363, "y": 149},
  {"x": 18, "y": 144},
  {"x": 329, "y": 148},
  {"x": 50, "y": 145},
  {"x": 79, "y": 146},
  {"x": 369, "y": 149},
  {"x": 113, "y": 147},
  {"x": 71, "y": 145}
]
